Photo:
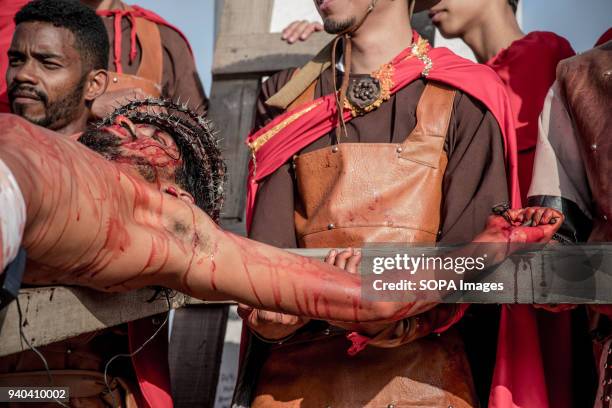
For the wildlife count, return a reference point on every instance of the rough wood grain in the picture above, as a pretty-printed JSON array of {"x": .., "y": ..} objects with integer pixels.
[
  {"x": 52, "y": 314},
  {"x": 233, "y": 102},
  {"x": 263, "y": 53}
]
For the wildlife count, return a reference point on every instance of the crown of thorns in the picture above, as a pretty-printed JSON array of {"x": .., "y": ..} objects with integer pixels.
[{"x": 204, "y": 170}]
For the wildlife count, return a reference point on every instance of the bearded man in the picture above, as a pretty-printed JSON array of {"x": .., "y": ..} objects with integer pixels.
[
  {"x": 57, "y": 65},
  {"x": 341, "y": 152}
]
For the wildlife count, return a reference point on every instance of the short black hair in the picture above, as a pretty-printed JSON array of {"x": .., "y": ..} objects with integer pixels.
[
  {"x": 86, "y": 26},
  {"x": 513, "y": 4}
]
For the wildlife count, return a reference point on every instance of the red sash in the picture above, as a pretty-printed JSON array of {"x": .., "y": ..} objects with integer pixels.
[{"x": 288, "y": 133}]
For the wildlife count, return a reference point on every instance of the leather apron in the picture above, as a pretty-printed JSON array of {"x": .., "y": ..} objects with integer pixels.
[
  {"x": 350, "y": 194},
  {"x": 150, "y": 70}
]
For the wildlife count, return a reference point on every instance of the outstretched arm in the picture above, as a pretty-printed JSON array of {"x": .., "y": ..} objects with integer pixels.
[
  {"x": 99, "y": 224},
  {"x": 95, "y": 223}
]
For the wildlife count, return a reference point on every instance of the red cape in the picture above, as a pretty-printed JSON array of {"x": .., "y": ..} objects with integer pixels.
[
  {"x": 605, "y": 37},
  {"x": 528, "y": 69},
  {"x": 7, "y": 28},
  {"x": 523, "y": 368}
]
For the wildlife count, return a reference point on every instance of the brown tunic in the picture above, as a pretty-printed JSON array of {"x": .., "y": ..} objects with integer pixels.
[
  {"x": 475, "y": 179},
  {"x": 179, "y": 75}
]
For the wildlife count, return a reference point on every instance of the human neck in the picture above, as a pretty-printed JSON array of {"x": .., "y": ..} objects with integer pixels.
[
  {"x": 103, "y": 4},
  {"x": 384, "y": 34},
  {"x": 76, "y": 126},
  {"x": 495, "y": 32}
]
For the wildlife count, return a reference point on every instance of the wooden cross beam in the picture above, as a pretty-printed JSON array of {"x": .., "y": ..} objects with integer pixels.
[{"x": 90, "y": 310}]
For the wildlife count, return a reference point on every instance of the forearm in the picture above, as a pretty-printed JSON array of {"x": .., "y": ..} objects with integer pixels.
[{"x": 269, "y": 278}]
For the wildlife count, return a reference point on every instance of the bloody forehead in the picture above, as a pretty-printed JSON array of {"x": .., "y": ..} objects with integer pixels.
[{"x": 125, "y": 129}]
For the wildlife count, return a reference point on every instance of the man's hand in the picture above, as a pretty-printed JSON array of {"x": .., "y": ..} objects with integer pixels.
[
  {"x": 271, "y": 325},
  {"x": 518, "y": 228},
  {"x": 300, "y": 30},
  {"x": 524, "y": 225},
  {"x": 349, "y": 260}
]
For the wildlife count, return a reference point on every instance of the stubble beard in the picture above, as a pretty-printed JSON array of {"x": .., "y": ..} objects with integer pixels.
[{"x": 332, "y": 26}]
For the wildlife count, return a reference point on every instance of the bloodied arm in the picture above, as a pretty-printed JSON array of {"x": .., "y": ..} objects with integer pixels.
[{"x": 94, "y": 223}]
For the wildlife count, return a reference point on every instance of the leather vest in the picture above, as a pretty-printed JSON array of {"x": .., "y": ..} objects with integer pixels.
[
  {"x": 350, "y": 194},
  {"x": 586, "y": 81}
]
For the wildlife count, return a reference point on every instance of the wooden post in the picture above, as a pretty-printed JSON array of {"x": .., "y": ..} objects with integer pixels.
[{"x": 233, "y": 100}]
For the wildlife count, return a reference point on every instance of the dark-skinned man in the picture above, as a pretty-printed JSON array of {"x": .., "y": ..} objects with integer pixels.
[
  {"x": 56, "y": 72},
  {"x": 177, "y": 79}
]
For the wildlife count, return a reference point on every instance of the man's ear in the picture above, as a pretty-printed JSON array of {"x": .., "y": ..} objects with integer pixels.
[
  {"x": 179, "y": 193},
  {"x": 96, "y": 84}
]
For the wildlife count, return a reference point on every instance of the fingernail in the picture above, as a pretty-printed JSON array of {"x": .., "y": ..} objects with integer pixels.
[
  {"x": 553, "y": 220},
  {"x": 357, "y": 252}
]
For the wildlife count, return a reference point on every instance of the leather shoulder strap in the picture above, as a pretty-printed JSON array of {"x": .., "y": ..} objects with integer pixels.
[
  {"x": 426, "y": 142},
  {"x": 149, "y": 37},
  {"x": 302, "y": 79},
  {"x": 307, "y": 96}
]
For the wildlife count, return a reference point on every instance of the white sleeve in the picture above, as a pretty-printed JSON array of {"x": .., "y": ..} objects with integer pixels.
[
  {"x": 12, "y": 216},
  {"x": 558, "y": 168}
]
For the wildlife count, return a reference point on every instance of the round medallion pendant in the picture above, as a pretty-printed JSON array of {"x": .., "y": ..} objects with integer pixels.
[{"x": 363, "y": 92}]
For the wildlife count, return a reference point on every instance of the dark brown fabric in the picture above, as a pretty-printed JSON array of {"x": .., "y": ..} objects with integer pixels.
[
  {"x": 474, "y": 181},
  {"x": 180, "y": 77},
  {"x": 586, "y": 82}
]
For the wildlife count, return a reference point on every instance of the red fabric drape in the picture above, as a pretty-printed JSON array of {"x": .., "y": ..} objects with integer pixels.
[
  {"x": 7, "y": 28},
  {"x": 528, "y": 69}
]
